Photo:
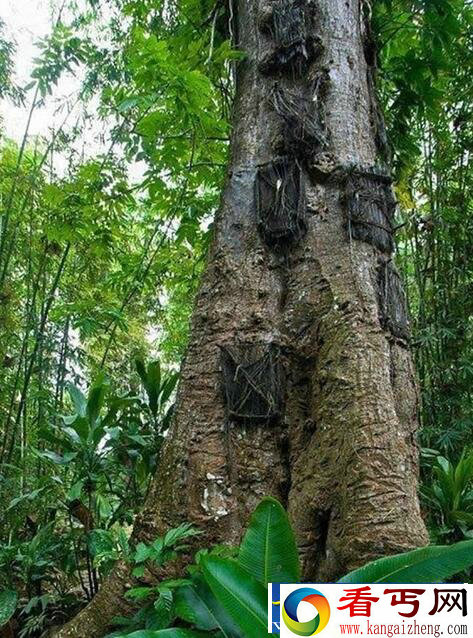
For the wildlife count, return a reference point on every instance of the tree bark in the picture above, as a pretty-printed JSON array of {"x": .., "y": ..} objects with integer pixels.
[{"x": 343, "y": 456}]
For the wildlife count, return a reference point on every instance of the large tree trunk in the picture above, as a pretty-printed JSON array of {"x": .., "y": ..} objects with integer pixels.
[{"x": 326, "y": 305}]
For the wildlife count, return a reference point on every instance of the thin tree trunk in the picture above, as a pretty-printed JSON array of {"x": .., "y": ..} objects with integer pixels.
[{"x": 343, "y": 457}]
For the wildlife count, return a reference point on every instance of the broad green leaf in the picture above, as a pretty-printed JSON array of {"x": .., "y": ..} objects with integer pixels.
[
  {"x": 95, "y": 400},
  {"x": 141, "y": 369},
  {"x": 8, "y": 603},
  {"x": 81, "y": 427},
  {"x": 72, "y": 434},
  {"x": 50, "y": 437},
  {"x": 197, "y": 605},
  {"x": 101, "y": 542},
  {"x": 167, "y": 633},
  {"x": 425, "y": 565},
  {"x": 463, "y": 517},
  {"x": 75, "y": 491},
  {"x": 143, "y": 552},
  {"x": 241, "y": 595},
  {"x": 30, "y": 496},
  {"x": 164, "y": 609},
  {"x": 65, "y": 459},
  {"x": 104, "y": 506},
  {"x": 168, "y": 387},
  {"x": 78, "y": 399},
  {"x": 268, "y": 550},
  {"x": 117, "y": 404},
  {"x": 98, "y": 433},
  {"x": 191, "y": 608},
  {"x": 123, "y": 542}
]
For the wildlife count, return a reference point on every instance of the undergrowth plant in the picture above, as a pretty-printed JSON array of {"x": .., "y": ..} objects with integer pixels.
[
  {"x": 67, "y": 532},
  {"x": 226, "y": 592},
  {"x": 449, "y": 496}
]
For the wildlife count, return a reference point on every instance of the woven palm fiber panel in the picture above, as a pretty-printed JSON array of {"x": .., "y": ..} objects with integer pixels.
[
  {"x": 280, "y": 202},
  {"x": 253, "y": 381},
  {"x": 370, "y": 209},
  {"x": 294, "y": 48},
  {"x": 304, "y": 131},
  {"x": 392, "y": 301}
]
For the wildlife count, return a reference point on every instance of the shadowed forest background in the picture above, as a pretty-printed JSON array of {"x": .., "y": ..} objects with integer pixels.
[{"x": 104, "y": 229}]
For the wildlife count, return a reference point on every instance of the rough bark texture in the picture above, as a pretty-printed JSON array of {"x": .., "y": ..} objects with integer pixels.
[{"x": 343, "y": 458}]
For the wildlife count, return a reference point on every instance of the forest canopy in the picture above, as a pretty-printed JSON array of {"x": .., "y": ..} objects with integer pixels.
[{"x": 106, "y": 219}]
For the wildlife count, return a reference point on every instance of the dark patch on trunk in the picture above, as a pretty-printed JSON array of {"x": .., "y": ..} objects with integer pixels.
[
  {"x": 304, "y": 131},
  {"x": 289, "y": 26},
  {"x": 253, "y": 381},
  {"x": 370, "y": 50},
  {"x": 321, "y": 527},
  {"x": 370, "y": 209},
  {"x": 315, "y": 550},
  {"x": 281, "y": 203},
  {"x": 377, "y": 119},
  {"x": 392, "y": 301},
  {"x": 370, "y": 45}
]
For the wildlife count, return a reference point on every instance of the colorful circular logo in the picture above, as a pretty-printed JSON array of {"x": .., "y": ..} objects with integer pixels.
[{"x": 309, "y": 627}]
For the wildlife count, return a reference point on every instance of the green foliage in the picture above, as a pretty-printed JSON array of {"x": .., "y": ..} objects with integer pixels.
[
  {"x": 196, "y": 605},
  {"x": 163, "y": 549},
  {"x": 449, "y": 495},
  {"x": 223, "y": 594},
  {"x": 100, "y": 459},
  {"x": 101, "y": 250},
  {"x": 30, "y": 561},
  {"x": 425, "y": 89},
  {"x": 8, "y": 89},
  {"x": 244, "y": 598},
  {"x": 167, "y": 633},
  {"x": 61, "y": 51},
  {"x": 8, "y": 603},
  {"x": 157, "y": 389},
  {"x": 228, "y": 597},
  {"x": 426, "y": 565},
  {"x": 158, "y": 614},
  {"x": 417, "y": 43},
  {"x": 268, "y": 550}
]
